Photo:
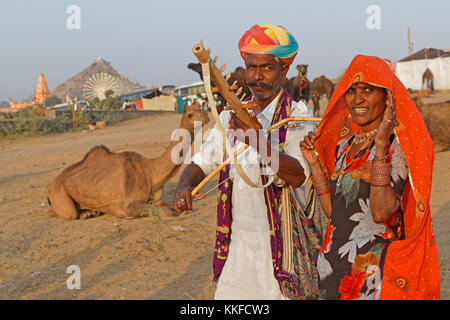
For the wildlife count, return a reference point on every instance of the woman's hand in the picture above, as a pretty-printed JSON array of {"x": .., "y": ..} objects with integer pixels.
[
  {"x": 387, "y": 124},
  {"x": 308, "y": 150}
]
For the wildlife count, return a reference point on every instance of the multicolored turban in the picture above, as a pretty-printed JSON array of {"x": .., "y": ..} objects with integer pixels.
[{"x": 269, "y": 39}]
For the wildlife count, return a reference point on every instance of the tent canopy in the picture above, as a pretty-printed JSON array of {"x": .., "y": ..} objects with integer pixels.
[{"x": 410, "y": 69}]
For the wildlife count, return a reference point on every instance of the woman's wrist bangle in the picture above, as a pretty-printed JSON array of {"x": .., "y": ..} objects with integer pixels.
[
  {"x": 380, "y": 174},
  {"x": 377, "y": 158},
  {"x": 323, "y": 193},
  {"x": 321, "y": 184}
]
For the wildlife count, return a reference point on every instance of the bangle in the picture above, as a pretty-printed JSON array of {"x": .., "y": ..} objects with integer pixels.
[
  {"x": 380, "y": 174},
  {"x": 321, "y": 184},
  {"x": 376, "y": 158},
  {"x": 385, "y": 157},
  {"x": 323, "y": 193}
]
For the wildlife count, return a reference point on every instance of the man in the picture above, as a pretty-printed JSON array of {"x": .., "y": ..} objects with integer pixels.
[{"x": 247, "y": 260}]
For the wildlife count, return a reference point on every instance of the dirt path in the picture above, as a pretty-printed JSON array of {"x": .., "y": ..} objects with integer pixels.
[{"x": 122, "y": 259}]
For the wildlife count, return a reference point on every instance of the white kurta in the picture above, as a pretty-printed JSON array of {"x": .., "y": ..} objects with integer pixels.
[{"x": 248, "y": 271}]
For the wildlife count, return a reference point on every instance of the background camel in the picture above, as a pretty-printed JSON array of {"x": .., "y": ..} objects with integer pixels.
[
  {"x": 237, "y": 75},
  {"x": 319, "y": 86},
  {"x": 301, "y": 84},
  {"x": 120, "y": 184},
  {"x": 428, "y": 78}
]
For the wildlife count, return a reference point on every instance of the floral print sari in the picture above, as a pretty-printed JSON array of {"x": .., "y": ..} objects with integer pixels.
[{"x": 349, "y": 262}]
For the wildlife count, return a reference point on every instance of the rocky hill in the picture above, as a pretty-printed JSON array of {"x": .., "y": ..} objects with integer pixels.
[{"x": 74, "y": 86}]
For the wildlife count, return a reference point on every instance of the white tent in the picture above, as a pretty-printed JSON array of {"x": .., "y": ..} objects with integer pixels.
[{"x": 410, "y": 69}]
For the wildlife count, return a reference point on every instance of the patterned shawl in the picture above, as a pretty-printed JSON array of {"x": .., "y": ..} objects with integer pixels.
[{"x": 272, "y": 196}]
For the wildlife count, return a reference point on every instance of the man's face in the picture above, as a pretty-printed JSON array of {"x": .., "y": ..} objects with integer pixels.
[
  {"x": 366, "y": 103},
  {"x": 264, "y": 75}
]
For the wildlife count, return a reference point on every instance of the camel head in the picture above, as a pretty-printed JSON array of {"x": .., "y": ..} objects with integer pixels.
[
  {"x": 197, "y": 67},
  {"x": 302, "y": 69},
  {"x": 192, "y": 114}
]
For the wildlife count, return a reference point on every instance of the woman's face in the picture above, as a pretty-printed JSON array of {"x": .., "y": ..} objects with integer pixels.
[{"x": 366, "y": 104}]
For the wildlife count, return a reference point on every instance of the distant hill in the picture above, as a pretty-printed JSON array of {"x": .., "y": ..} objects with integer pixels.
[{"x": 74, "y": 86}]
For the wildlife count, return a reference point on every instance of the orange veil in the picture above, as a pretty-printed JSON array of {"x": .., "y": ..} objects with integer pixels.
[{"x": 410, "y": 269}]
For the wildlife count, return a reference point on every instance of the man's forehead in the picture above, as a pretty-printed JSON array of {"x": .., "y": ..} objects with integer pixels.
[{"x": 256, "y": 58}]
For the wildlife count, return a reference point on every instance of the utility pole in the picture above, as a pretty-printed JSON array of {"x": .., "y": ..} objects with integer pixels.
[{"x": 410, "y": 44}]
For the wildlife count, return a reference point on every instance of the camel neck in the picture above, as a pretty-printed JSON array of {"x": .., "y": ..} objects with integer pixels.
[{"x": 161, "y": 169}]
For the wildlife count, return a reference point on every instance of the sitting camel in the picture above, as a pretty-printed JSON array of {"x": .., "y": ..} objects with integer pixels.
[
  {"x": 120, "y": 184},
  {"x": 319, "y": 86}
]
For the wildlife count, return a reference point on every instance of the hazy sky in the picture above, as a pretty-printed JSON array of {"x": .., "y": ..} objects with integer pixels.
[{"x": 151, "y": 41}]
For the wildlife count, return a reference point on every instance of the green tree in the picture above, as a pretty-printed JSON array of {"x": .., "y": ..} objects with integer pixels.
[
  {"x": 109, "y": 93},
  {"x": 52, "y": 101}
]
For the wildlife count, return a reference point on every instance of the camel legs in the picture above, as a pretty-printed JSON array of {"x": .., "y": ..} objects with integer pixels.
[
  {"x": 158, "y": 201},
  {"x": 316, "y": 105},
  {"x": 140, "y": 208},
  {"x": 62, "y": 205},
  {"x": 86, "y": 214},
  {"x": 136, "y": 209}
]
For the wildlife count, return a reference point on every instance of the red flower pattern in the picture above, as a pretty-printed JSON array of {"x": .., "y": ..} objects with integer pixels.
[
  {"x": 327, "y": 239},
  {"x": 351, "y": 285}
]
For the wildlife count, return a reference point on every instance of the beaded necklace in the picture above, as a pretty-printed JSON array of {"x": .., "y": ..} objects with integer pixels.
[
  {"x": 367, "y": 139},
  {"x": 359, "y": 138}
]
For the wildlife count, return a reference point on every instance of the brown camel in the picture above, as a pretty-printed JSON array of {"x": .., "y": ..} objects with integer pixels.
[
  {"x": 301, "y": 84},
  {"x": 428, "y": 78},
  {"x": 319, "y": 86},
  {"x": 237, "y": 76},
  {"x": 120, "y": 184}
]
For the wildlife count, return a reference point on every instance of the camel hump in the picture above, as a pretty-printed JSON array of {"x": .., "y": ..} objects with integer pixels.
[{"x": 97, "y": 150}]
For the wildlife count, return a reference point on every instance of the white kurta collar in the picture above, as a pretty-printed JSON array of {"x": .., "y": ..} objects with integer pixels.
[{"x": 270, "y": 109}]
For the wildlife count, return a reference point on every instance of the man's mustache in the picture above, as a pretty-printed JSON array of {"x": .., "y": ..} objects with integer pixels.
[{"x": 259, "y": 84}]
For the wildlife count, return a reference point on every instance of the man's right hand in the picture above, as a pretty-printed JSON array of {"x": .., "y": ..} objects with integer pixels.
[{"x": 183, "y": 200}]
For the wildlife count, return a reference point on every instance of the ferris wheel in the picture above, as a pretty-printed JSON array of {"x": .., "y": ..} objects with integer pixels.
[
  {"x": 126, "y": 85},
  {"x": 98, "y": 84}
]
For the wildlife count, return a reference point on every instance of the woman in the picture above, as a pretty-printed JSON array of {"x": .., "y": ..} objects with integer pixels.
[{"x": 371, "y": 161}]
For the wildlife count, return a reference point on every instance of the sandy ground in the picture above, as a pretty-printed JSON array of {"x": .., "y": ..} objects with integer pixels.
[{"x": 123, "y": 259}]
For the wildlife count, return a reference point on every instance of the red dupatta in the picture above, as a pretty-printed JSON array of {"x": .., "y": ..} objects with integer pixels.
[{"x": 410, "y": 269}]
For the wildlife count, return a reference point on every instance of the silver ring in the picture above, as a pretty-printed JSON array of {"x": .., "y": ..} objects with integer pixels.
[
  {"x": 181, "y": 200},
  {"x": 389, "y": 120}
]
